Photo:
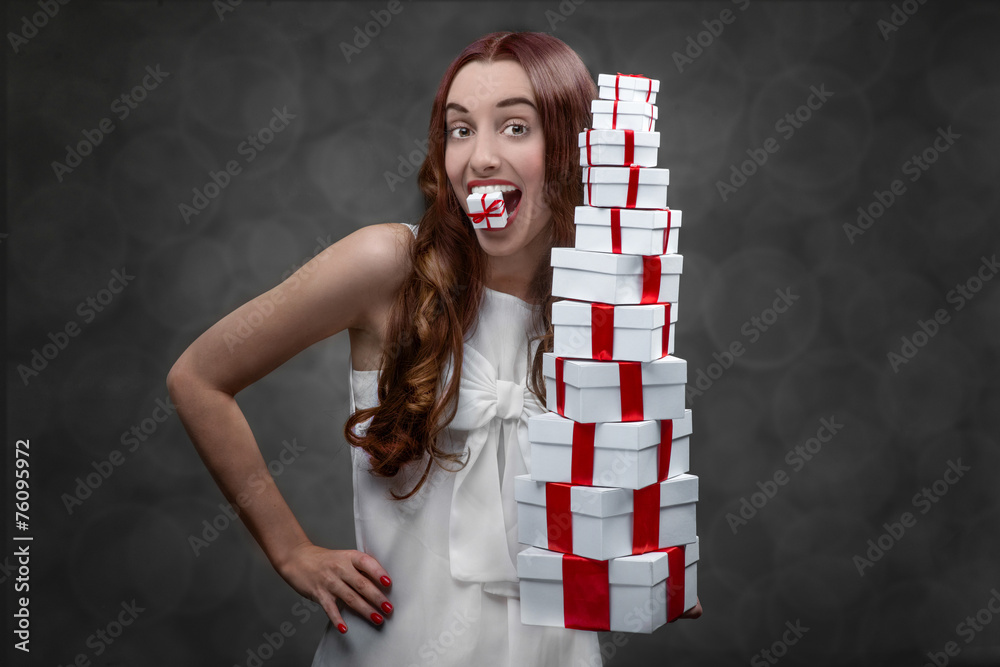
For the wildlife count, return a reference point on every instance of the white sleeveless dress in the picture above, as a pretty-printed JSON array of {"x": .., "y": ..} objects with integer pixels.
[{"x": 451, "y": 550}]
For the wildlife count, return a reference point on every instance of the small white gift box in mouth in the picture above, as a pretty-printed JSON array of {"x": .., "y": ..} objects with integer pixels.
[{"x": 493, "y": 205}]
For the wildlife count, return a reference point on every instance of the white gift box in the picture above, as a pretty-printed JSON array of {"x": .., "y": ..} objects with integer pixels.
[
  {"x": 615, "y": 115},
  {"x": 628, "y": 455},
  {"x": 618, "y": 147},
  {"x": 625, "y": 187},
  {"x": 627, "y": 231},
  {"x": 615, "y": 279},
  {"x": 643, "y": 591},
  {"x": 600, "y": 522},
  {"x": 487, "y": 211},
  {"x": 629, "y": 87},
  {"x": 613, "y": 333},
  {"x": 614, "y": 391}
]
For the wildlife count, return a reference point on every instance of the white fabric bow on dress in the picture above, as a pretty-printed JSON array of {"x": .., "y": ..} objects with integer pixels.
[{"x": 483, "y": 523}]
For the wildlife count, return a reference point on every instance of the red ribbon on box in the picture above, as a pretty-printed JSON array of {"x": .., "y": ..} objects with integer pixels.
[
  {"x": 629, "y": 147},
  {"x": 666, "y": 233},
  {"x": 675, "y": 583},
  {"x": 586, "y": 593},
  {"x": 616, "y": 231},
  {"x": 633, "y": 186},
  {"x": 646, "y": 519},
  {"x": 582, "y": 454},
  {"x": 665, "y": 344},
  {"x": 651, "y": 270},
  {"x": 649, "y": 84},
  {"x": 666, "y": 448},
  {"x": 614, "y": 116},
  {"x": 560, "y": 387},
  {"x": 630, "y": 386},
  {"x": 602, "y": 331},
  {"x": 558, "y": 518},
  {"x": 587, "y": 590},
  {"x": 495, "y": 209}
]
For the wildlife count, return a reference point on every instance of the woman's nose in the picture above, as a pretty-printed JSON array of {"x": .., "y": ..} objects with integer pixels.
[{"x": 485, "y": 156}]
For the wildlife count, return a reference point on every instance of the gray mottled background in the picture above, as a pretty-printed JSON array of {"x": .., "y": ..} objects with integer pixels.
[{"x": 113, "y": 512}]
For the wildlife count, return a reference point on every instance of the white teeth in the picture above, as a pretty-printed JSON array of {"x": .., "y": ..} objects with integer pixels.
[{"x": 486, "y": 189}]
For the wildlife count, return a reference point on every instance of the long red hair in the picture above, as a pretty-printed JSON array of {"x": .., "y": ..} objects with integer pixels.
[{"x": 439, "y": 303}]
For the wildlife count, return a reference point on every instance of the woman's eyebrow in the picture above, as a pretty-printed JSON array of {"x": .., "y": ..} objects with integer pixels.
[
  {"x": 509, "y": 102},
  {"x": 512, "y": 101}
]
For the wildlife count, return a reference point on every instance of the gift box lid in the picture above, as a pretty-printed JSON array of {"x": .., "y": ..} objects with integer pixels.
[
  {"x": 642, "y": 218},
  {"x": 617, "y": 137},
  {"x": 625, "y": 107},
  {"x": 586, "y": 373},
  {"x": 553, "y": 428},
  {"x": 633, "y": 81},
  {"x": 645, "y": 316},
  {"x": 647, "y": 175},
  {"x": 479, "y": 203},
  {"x": 605, "y": 262},
  {"x": 605, "y": 501},
  {"x": 646, "y": 569}
]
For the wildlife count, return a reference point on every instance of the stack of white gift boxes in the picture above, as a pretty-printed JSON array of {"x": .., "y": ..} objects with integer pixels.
[{"x": 609, "y": 509}]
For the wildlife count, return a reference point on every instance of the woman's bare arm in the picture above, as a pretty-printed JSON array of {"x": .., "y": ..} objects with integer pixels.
[{"x": 349, "y": 285}]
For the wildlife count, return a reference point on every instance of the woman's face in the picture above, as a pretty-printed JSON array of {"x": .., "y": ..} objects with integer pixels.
[{"x": 494, "y": 142}]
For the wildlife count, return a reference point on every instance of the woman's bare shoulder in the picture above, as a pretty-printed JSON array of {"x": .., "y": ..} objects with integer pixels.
[
  {"x": 365, "y": 270},
  {"x": 377, "y": 256}
]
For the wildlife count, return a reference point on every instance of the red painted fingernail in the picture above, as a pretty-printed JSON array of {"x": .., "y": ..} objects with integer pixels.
[
  {"x": 342, "y": 628},
  {"x": 386, "y": 607},
  {"x": 386, "y": 581},
  {"x": 377, "y": 618}
]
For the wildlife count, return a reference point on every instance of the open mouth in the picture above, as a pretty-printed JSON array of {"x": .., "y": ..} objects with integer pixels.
[{"x": 511, "y": 200}]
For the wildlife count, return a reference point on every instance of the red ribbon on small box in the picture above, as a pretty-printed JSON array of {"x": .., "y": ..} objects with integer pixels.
[
  {"x": 616, "y": 231},
  {"x": 582, "y": 452},
  {"x": 666, "y": 448},
  {"x": 629, "y": 147},
  {"x": 587, "y": 590},
  {"x": 614, "y": 117},
  {"x": 651, "y": 271},
  {"x": 630, "y": 387},
  {"x": 559, "y": 518},
  {"x": 646, "y": 519},
  {"x": 494, "y": 210},
  {"x": 666, "y": 233},
  {"x": 602, "y": 331},
  {"x": 649, "y": 84},
  {"x": 633, "y": 187}
]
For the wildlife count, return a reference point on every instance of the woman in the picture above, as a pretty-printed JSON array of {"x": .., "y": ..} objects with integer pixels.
[{"x": 435, "y": 452}]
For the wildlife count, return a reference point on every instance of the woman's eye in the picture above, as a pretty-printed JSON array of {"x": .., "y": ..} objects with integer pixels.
[
  {"x": 460, "y": 132},
  {"x": 516, "y": 129}
]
